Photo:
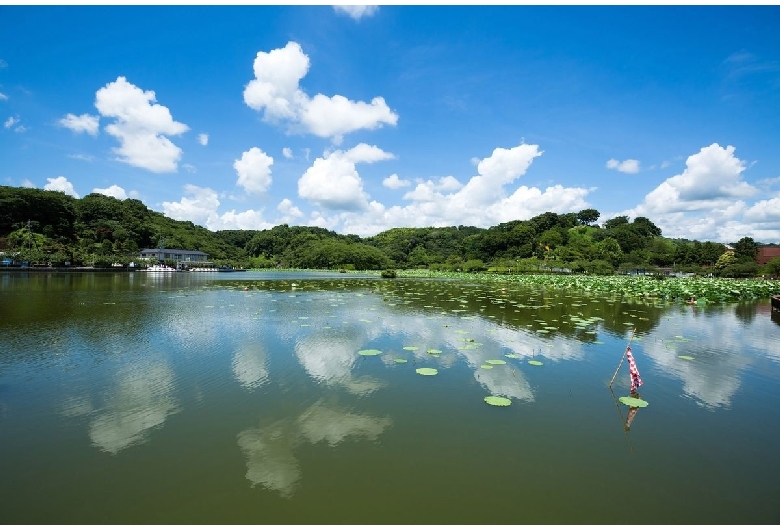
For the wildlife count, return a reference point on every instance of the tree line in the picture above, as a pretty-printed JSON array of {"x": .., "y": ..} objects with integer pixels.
[{"x": 52, "y": 228}]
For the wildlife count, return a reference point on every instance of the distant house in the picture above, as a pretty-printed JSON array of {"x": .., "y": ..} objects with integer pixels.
[
  {"x": 767, "y": 253},
  {"x": 728, "y": 248},
  {"x": 176, "y": 254}
]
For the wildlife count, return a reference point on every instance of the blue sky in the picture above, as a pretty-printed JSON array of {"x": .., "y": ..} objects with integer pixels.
[{"x": 363, "y": 119}]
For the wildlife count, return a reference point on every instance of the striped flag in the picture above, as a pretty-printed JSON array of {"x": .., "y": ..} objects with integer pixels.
[{"x": 636, "y": 381}]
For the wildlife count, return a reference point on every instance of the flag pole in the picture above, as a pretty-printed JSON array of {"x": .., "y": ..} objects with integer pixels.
[
  {"x": 622, "y": 421},
  {"x": 622, "y": 358}
]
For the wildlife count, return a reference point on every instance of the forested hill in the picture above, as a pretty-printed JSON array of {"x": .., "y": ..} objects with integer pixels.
[{"x": 51, "y": 227}]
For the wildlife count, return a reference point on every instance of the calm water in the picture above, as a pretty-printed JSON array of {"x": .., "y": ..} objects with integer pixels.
[{"x": 241, "y": 398}]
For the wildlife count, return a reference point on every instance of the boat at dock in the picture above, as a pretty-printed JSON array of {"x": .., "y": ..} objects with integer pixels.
[{"x": 158, "y": 269}]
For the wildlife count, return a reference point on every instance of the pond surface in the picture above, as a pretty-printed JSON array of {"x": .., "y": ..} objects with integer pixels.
[{"x": 232, "y": 398}]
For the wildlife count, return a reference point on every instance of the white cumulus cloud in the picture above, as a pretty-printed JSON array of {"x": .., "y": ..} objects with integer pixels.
[
  {"x": 86, "y": 123},
  {"x": 112, "y": 191},
  {"x": 3, "y": 97},
  {"x": 203, "y": 139},
  {"x": 712, "y": 179},
  {"x": 246, "y": 220},
  {"x": 276, "y": 92},
  {"x": 430, "y": 190},
  {"x": 200, "y": 207},
  {"x": 10, "y": 122},
  {"x": 288, "y": 211},
  {"x": 287, "y": 153},
  {"x": 764, "y": 211},
  {"x": 708, "y": 201},
  {"x": 333, "y": 181},
  {"x": 357, "y": 12},
  {"x": 368, "y": 154},
  {"x": 394, "y": 183},
  {"x": 254, "y": 170},
  {"x": 483, "y": 201},
  {"x": 140, "y": 126},
  {"x": 61, "y": 184},
  {"x": 626, "y": 166}
]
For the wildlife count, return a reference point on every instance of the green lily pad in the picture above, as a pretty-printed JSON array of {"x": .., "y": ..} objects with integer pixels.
[
  {"x": 535, "y": 363},
  {"x": 685, "y": 357},
  {"x": 495, "y": 361},
  {"x": 399, "y": 361},
  {"x": 487, "y": 366},
  {"x": 434, "y": 352},
  {"x": 512, "y": 356},
  {"x": 498, "y": 401},
  {"x": 633, "y": 402},
  {"x": 411, "y": 348},
  {"x": 369, "y": 352},
  {"x": 427, "y": 371}
]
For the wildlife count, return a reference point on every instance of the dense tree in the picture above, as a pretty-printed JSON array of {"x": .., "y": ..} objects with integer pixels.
[
  {"x": 609, "y": 250},
  {"x": 615, "y": 222},
  {"x": 42, "y": 226},
  {"x": 746, "y": 249},
  {"x": 772, "y": 267},
  {"x": 588, "y": 216},
  {"x": 645, "y": 227},
  {"x": 725, "y": 260}
]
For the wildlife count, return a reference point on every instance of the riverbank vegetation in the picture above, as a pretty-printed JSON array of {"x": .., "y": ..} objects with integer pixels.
[
  {"x": 692, "y": 290},
  {"x": 52, "y": 228}
]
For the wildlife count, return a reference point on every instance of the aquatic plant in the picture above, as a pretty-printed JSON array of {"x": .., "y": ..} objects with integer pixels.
[
  {"x": 649, "y": 288},
  {"x": 498, "y": 401},
  {"x": 633, "y": 402}
]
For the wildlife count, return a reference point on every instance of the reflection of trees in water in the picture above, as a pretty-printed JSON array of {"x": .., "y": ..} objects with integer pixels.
[
  {"x": 269, "y": 450},
  {"x": 517, "y": 306},
  {"x": 746, "y": 311}
]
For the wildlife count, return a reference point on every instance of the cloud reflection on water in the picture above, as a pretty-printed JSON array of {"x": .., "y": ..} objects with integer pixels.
[
  {"x": 269, "y": 450},
  {"x": 250, "y": 365},
  {"x": 140, "y": 400},
  {"x": 722, "y": 351}
]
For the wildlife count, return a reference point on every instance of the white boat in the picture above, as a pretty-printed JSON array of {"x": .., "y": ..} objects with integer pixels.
[{"x": 159, "y": 268}]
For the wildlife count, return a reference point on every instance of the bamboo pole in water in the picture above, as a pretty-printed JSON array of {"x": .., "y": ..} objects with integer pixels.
[
  {"x": 622, "y": 358},
  {"x": 622, "y": 421}
]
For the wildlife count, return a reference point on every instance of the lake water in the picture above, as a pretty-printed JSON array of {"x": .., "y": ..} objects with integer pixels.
[{"x": 216, "y": 398}]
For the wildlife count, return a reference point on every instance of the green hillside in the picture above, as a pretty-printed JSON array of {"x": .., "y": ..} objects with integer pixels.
[{"x": 52, "y": 228}]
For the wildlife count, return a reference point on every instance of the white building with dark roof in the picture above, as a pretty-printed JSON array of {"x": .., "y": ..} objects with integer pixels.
[{"x": 175, "y": 254}]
